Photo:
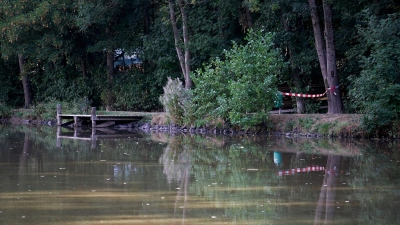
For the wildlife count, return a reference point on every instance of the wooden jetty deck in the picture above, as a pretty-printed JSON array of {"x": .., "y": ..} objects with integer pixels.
[{"x": 97, "y": 121}]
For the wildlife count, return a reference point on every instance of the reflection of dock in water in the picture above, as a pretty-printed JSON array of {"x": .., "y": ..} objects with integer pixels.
[{"x": 93, "y": 134}]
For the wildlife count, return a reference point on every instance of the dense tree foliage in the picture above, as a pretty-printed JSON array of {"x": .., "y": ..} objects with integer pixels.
[
  {"x": 68, "y": 49},
  {"x": 243, "y": 86},
  {"x": 291, "y": 22},
  {"x": 376, "y": 90}
]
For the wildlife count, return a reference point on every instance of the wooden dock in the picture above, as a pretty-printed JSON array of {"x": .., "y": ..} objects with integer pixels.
[{"x": 97, "y": 121}]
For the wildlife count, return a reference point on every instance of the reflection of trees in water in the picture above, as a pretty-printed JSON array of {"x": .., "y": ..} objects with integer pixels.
[
  {"x": 326, "y": 202},
  {"x": 23, "y": 164},
  {"x": 177, "y": 162},
  {"x": 30, "y": 159},
  {"x": 376, "y": 179},
  {"x": 220, "y": 168},
  {"x": 221, "y": 175},
  {"x": 34, "y": 150},
  {"x": 323, "y": 146},
  {"x": 124, "y": 172}
]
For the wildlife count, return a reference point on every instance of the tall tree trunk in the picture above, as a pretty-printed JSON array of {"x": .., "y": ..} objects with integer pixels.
[
  {"x": 183, "y": 56},
  {"x": 326, "y": 54},
  {"x": 319, "y": 39},
  {"x": 110, "y": 72},
  {"x": 147, "y": 22},
  {"x": 300, "y": 105},
  {"x": 83, "y": 66},
  {"x": 299, "y": 101},
  {"x": 245, "y": 19},
  {"x": 25, "y": 82},
  {"x": 335, "y": 104},
  {"x": 249, "y": 20},
  {"x": 110, "y": 76},
  {"x": 188, "y": 81}
]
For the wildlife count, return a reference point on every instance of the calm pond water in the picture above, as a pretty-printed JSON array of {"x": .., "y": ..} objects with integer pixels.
[{"x": 110, "y": 177}]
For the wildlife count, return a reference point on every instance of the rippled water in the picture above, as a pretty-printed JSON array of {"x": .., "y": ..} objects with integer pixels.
[{"x": 112, "y": 177}]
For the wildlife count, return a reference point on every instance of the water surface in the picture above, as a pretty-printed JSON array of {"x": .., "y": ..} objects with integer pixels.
[{"x": 113, "y": 177}]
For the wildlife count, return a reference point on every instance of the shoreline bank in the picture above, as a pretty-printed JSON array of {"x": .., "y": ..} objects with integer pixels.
[{"x": 342, "y": 126}]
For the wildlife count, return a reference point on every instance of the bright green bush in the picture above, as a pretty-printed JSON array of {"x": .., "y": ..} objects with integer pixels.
[{"x": 241, "y": 88}]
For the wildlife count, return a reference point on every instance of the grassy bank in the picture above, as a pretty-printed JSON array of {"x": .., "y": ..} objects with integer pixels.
[{"x": 336, "y": 125}]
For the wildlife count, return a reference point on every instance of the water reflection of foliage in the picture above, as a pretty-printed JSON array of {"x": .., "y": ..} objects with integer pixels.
[
  {"x": 222, "y": 174},
  {"x": 217, "y": 168},
  {"x": 73, "y": 154},
  {"x": 377, "y": 173},
  {"x": 320, "y": 146}
]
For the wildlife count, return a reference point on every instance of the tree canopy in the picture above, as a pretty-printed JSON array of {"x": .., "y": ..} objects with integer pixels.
[{"x": 68, "y": 49}]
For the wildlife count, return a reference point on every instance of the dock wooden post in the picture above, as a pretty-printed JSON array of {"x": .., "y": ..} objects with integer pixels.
[
  {"x": 94, "y": 138},
  {"x": 58, "y": 135},
  {"x": 93, "y": 118},
  {"x": 58, "y": 115},
  {"x": 77, "y": 131},
  {"x": 77, "y": 121}
]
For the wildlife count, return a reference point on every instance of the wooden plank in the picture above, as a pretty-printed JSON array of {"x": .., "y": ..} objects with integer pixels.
[
  {"x": 76, "y": 138},
  {"x": 104, "y": 130},
  {"x": 67, "y": 123},
  {"x": 68, "y": 116},
  {"x": 78, "y": 121},
  {"x": 119, "y": 118},
  {"x": 72, "y": 115},
  {"x": 282, "y": 111},
  {"x": 106, "y": 124},
  {"x": 116, "y": 136}
]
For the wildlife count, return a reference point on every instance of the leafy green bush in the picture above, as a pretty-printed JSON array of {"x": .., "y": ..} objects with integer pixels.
[
  {"x": 324, "y": 128},
  {"x": 289, "y": 125},
  {"x": 60, "y": 82},
  {"x": 376, "y": 90},
  {"x": 307, "y": 123},
  {"x": 175, "y": 100},
  {"x": 47, "y": 110},
  {"x": 5, "y": 110},
  {"x": 78, "y": 106},
  {"x": 241, "y": 88},
  {"x": 137, "y": 91}
]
